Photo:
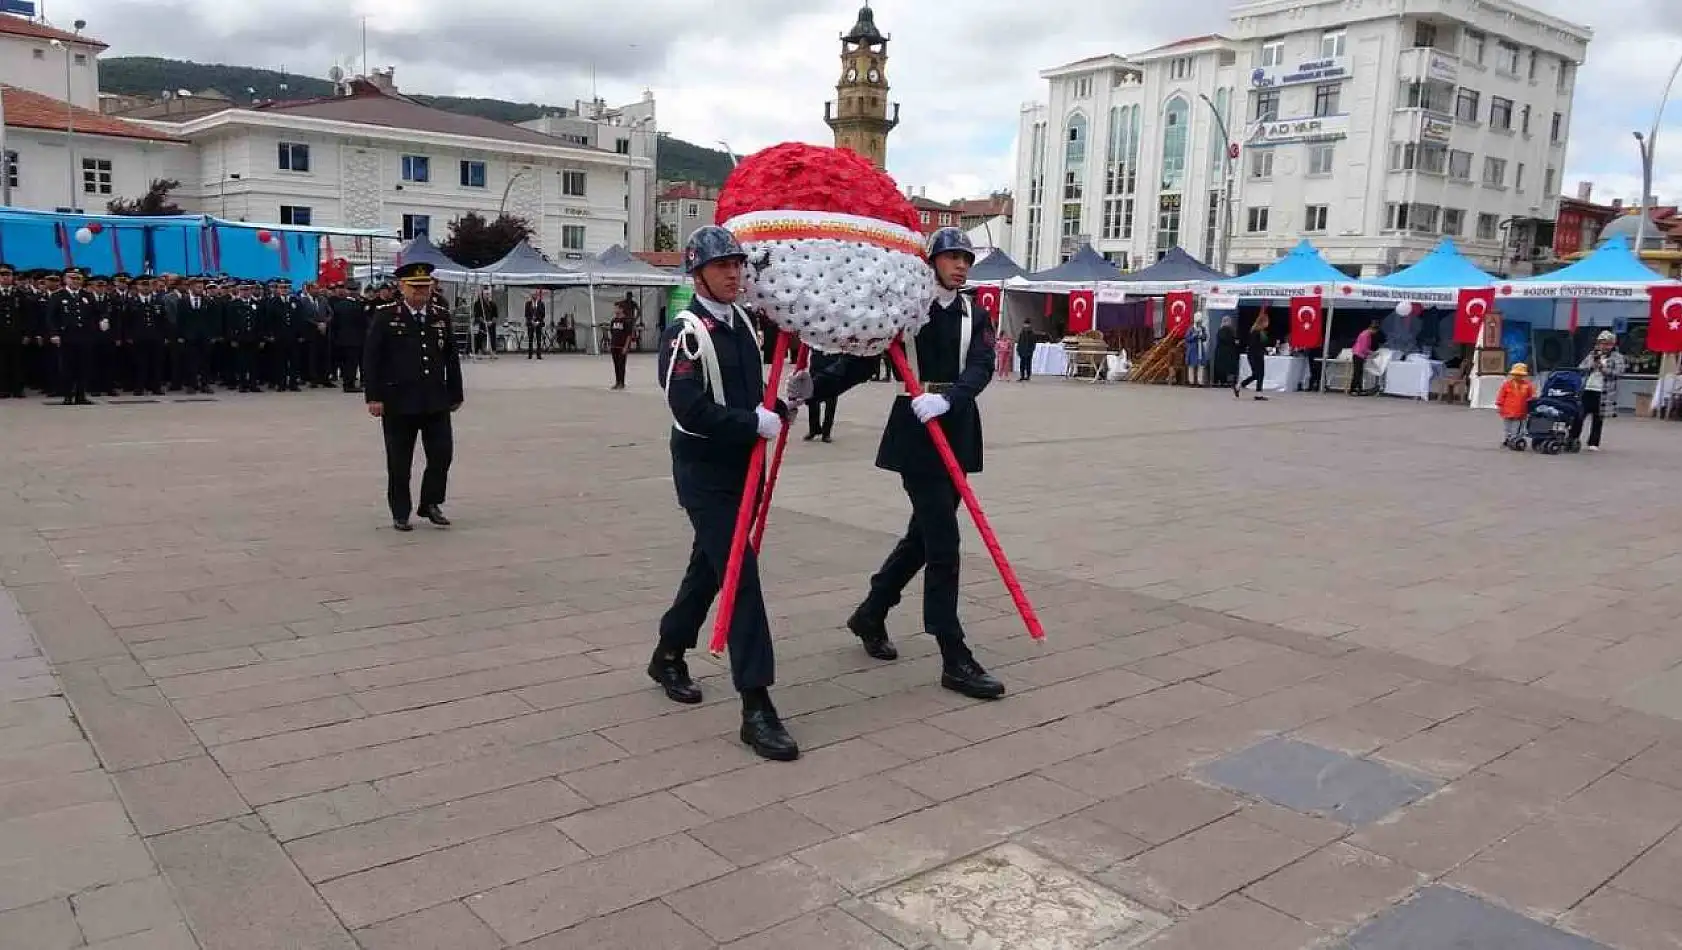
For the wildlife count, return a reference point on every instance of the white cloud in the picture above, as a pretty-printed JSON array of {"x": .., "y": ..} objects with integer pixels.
[{"x": 757, "y": 72}]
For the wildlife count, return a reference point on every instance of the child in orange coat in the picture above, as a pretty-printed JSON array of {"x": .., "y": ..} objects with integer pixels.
[{"x": 1513, "y": 403}]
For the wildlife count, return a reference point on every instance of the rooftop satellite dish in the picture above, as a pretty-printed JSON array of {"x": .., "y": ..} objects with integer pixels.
[{"x": 336, "y": 74}]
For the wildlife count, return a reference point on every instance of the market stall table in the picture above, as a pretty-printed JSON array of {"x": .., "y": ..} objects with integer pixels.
[
  {"x": 1284, "y": 374},
  {"x": 1411, "y": 378},
  {"x": 1050, "y": 359}
]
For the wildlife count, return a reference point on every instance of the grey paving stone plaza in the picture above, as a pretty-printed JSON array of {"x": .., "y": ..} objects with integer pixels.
[{"x": 239, "y": 712}]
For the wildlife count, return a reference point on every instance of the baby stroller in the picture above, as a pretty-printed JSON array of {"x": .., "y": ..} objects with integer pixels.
[{"x": 1556, "y": 412}]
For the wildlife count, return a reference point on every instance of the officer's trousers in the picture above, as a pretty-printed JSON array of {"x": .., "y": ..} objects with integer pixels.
[
  {"x": 350, "y": 364},
  {"x": 283, "y": 356},
  {"x": 930, "y": 545},
  {"x": 752, "y": 665},
  {"x": 148, "y": 365},
  {"x": 247, "y": 365},
  {"x": 192, "y": 371},
  {"x": 437, "y": 441},
  {"x": 77, "y": 362},
  {"x": 11, "y": 369}
]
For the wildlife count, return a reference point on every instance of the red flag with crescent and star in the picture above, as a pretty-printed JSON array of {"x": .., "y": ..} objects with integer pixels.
[
  {"x": 1469, "y": 317},
  {"x": 987, "y": 298},
  {"x": 1664, "y": 334},
  {"x": 1307, "y": 328},
  {"x": 1180, "y": 304},
  {"x": 1080, "y": 311}
]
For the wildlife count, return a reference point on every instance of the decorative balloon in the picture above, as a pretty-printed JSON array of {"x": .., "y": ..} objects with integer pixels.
[
  {"x": 95, "y": 227},
  {"x": 265, "y": 237},
  {"x": 84, "y": 236}
]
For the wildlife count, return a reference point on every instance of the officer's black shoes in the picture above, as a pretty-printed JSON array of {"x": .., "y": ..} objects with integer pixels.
[
  {"x": 435, "y": 515},
  {"x": 402, "y": 524},
  {"x": 672, "y": 673},
  {"x": 763, "y": 732},
  {"x": 873, "y": 633},
  {"x": 966, "y": 677},
  {"x": 810, "y": 436}
]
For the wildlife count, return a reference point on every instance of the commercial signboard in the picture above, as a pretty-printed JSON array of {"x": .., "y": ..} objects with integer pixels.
[
  {"x": 1435, "y": 128},
  {"x": 1319, "y": 128},
  {"x": 1319, "y": 70}
]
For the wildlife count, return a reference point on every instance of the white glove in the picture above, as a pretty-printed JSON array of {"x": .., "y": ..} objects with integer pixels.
[
  {"x": 929, "y": 406},
  {"x": 770, "y": 424},
  {"x": 799, "y": 389}
]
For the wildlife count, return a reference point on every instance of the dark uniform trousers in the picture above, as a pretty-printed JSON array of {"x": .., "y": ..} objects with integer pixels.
[
  {"x": 148, "y": 365},
  {"x": 437, "y": 441},
  {"x": 11, "y": 367},
  {"x": 931, "y": 540},
  {"x": 710, "y": 475},
  {"x": 350, "y": 363},
  {"x": 76, "y": 364}
]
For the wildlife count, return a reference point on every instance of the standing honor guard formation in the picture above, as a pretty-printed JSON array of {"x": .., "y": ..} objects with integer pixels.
[{"x": 411, "y": 377}]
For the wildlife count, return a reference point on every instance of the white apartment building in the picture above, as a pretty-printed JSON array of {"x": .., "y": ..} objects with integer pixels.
[
  {"x": 1372, "y": 128},
  {"x": 372, "y": 158},
  {"x": 629, "y": 130},
  {"x": 54, "y": 62},
  {"x": 685, "y": 207}
]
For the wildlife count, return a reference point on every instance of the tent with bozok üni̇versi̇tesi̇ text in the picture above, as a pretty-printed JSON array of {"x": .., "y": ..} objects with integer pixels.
[
  {"x": 1611, "y": 272},
  {"x": 525, "y": 266},
  {"x": 1434, "y": 280},
  {"x": 1177, "y": 270},
  {"x": 1300, "y": 273}
]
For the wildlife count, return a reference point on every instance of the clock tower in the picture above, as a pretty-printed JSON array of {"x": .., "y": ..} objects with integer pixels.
[{"x": 859, "y": 114}]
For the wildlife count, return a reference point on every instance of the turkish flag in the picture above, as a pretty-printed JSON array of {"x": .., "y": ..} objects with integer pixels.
[
  {"x": 987, "y": 298},
  {"x": 1664, "y": 334},
  {"x": 1307, "y": 325},
  {"x": 1080, "y": 311},
  {"x": 1473, "y": 311},
  {"x": 1180, "y": 304}
]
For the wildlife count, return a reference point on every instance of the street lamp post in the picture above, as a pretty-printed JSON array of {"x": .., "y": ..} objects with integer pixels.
[
  {"x": 502, "y": 205},
  {"x": 1227, "y": 146},
  {"x": 70, "y": 110},
  {"x": 1648, "y": 147}
]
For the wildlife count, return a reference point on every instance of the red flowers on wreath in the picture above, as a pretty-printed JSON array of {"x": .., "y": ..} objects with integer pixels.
[{"x": 799, "y": 177}]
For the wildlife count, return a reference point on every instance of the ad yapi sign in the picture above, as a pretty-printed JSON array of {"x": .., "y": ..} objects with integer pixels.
[
  {"x": 1322, "y": 128},
  {"x": 1319, "y": 70}
]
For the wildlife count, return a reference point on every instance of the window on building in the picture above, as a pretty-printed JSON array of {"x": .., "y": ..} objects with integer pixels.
[
  {"x": 1524, "y": 120},
  {"x": 96, "y": 176},
  {"x": 472, "y": 174},
  {"x": 1321, "y": 158},
  {"x": 1556, "y": 132},
  {"x": 40, "y": 53},
  {"x": 1072, "y": 221},
  {"x": 1167, "y": 224},
  {"x": 293, "y": 157},
  {"x": 1332, "y": 43},
  {"x": 622, "y": 146},
  {"x": 1395, "y": 216},
  {"x": 1261, "y": 163},
  {"x": 1034, "y": 215},
  {"x": 1273, "y": 53},
  {"x": 1083, "y": 87},
  {"x": 1255, "y": 220},
  {"x": 1550, "y": 178},
  {"x": 1074, "y": 141},
  {"x": 692, "y": 210},
  {"x": 1211, "y": 225},
  {"x": 1500, "y": 113},
  {"x": 294, "y": 214},
  {"x": 1424, "y": 35},
  {"x": 1488, "y": 227},
  {"x": 1433, "y": 159},
  {"x": 1423, "y": 218},
  {"x": 1466, "y": 105},
  {"x": 1518, "y": 177},
  {"x": 1460, "y": 165},
  {"x": 1314, "y": 218},
  {"x": 81, "y": 59},
  {"x": 1454, "y": 221},
  {"x": 1175, "y": 120},
  {"x": 1326, "y": 98},
  {"x": 1402, "y": 156},
  {"x": 1533, "y": 65},
  {"x": 417, "y": 169},
  {"x": 573, "y": 184},
  {"x": 416, "y": 225},
  {"x": 1435, "y": 96},
  {"x": 1566, "y": 73},
  {"x": 1507, "y": 57},
  {"x": 1473, "y": 46},
  {"x": 11, "y": 168},
  {"x": 572, "y": 237},
  {"x": 1267, "y": 106},
  {"x": 1118, "y": 219},
  {"x": 1180, "y": 67},
  {"x": 923, "y": 217},
  {"x": 1495, "y": 172}
]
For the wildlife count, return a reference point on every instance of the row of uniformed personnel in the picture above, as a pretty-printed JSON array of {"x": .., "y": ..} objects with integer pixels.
[{"x": 71, "y": 335}]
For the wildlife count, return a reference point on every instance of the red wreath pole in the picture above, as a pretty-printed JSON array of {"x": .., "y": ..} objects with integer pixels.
[
  {"x": 802, "y": 355},
  {"x": 1007, "y": 573},
  {"x": 744, "y": 512}
]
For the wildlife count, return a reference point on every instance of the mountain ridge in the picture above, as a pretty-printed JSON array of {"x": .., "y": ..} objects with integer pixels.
[{"x": 675, "y": 160}]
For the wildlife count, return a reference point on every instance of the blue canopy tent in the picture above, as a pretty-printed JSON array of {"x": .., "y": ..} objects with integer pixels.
[
  {"x": 1302, "y": 272},
  {"x": 1611, "y": 272},
  {"x": 995, "y": 268},
  {"x": 1177, "y": 270},
  {"x": 178, "y": 244}
]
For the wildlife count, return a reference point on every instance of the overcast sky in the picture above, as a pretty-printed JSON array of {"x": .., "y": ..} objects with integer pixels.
[{"x": 757, "y": 72}]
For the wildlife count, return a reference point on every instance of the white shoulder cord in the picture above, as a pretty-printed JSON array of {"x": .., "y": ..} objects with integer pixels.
[
  {"x": 696, "y": 343},
  {"x": 963, "y": 342}
]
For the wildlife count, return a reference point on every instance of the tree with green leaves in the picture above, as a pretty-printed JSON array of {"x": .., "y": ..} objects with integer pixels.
[
  {"x": 664, "y": 238},
  {"x": 475, "y": 241},
  {"x": 155, "y": 201}
]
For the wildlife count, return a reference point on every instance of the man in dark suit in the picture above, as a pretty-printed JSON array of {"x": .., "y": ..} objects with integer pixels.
[
  {"x": 148, "y": 334},
  {"x": 349, "y": 331},
  {"x": 70, "y": 328},
  {"x": 953, "y": 356},
  {"x": 411, "y": 375},
  {"x": 197, "y": 327},
  {"x": 537, "y": 317},
  {"x": 13, "y": 327}
]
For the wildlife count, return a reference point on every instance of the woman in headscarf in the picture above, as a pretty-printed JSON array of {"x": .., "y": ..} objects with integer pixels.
[
  {"x": 1603, "y": 368},
  {"x": 1197, "y": 354}
]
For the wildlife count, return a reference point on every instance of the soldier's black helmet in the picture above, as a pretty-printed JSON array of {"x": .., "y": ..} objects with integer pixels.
[
  {"x": 708, "y": 244},
  {"x": 948, "y": 240}
]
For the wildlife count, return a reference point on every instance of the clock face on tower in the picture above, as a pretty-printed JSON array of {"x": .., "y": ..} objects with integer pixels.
[
  {"x": 874, "y": 75},
  {"x": 853, "y": 74}
]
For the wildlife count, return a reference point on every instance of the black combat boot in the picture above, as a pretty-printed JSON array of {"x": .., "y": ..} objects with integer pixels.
[
  {"x": 762, "y": 729},
  {"x": 872, "y": 631},
  {"x": 669, "y": 670}
]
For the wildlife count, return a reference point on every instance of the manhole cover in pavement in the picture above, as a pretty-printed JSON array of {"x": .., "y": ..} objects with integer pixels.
[
  {"x": 1311, "y": 779},
  {"x": 1444, "y": 917},
  {"x": 1012, "y": 899}
]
